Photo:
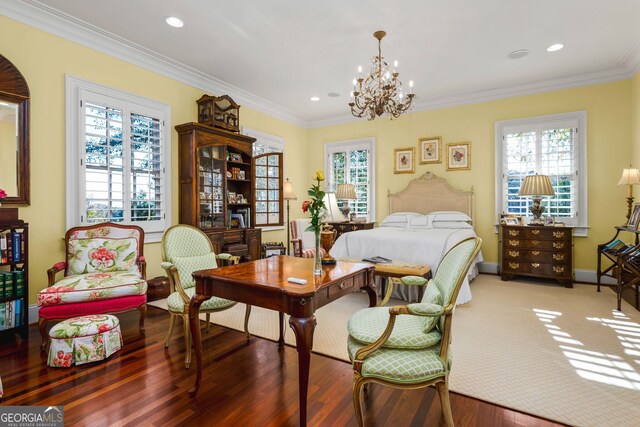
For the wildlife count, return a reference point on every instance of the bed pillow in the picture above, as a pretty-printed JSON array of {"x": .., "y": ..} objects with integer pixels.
[
  {"x": 421, "y": 221},
  {"x": 451, "y": 224},
  {"x": 450, "y": 216},
  {"x": 398, "y": 219}
]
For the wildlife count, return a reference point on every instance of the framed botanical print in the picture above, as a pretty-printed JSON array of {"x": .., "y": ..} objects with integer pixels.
[
  {"x": 403, "y": 160},
  {"x": 430, "y": 150},
  {"x": 459, "y": 156}
]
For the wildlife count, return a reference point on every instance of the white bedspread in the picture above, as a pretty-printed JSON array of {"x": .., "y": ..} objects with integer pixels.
[{"x": 416, "y": 246}]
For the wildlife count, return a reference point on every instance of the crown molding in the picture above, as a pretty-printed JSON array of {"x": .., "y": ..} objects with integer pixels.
[
  {"x": 45, "y": 18},
  {"x": 631, "y": 60},
  {"x": 485, "y": 95}
]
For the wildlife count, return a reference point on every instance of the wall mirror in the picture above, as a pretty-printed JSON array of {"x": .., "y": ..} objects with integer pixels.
[{"x": 14, "y": 134}]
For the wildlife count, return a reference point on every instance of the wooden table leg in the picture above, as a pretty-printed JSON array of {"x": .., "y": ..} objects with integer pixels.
[
  {"x": 371, "y": 289},
  {"x": 281, "y": 326},
  {"x": 303, "y": 329},
  {"x": 194, "y": 325}
]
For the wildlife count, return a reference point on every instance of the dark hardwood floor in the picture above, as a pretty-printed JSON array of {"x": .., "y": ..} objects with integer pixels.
[{"x": 244, "y": 384}]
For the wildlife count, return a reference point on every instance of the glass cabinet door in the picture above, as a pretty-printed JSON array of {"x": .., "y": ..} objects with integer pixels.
[{"x": 211, "y": 186}]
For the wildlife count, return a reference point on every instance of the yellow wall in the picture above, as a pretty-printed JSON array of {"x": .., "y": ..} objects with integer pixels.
[
  {"x": 608, "y": 109},
  {"x": 44, "y": 60}
]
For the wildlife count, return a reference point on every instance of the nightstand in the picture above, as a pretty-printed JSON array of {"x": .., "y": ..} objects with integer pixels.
[
  {"x": 543, "y": 251},
  {"x": 346, "y": 227}
]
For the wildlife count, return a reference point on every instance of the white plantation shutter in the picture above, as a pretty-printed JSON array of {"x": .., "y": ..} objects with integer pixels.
[
  {"x": 119, "y": 161},
  {"x": 549, "y": 145},
  {"x": 352, "y": 162}
]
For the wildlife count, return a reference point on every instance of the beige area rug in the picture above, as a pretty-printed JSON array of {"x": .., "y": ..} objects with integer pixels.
[{"x": 536, "y": 347}]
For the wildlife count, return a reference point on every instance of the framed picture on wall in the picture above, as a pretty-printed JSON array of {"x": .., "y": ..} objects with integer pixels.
[
  {"x": 459, "y": 156},
  {"x": 403, "y": 160},
  {"x": 430, "y": 150}
]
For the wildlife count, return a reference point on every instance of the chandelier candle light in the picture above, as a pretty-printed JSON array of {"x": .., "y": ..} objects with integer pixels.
[{"x": 380, "y": 92}]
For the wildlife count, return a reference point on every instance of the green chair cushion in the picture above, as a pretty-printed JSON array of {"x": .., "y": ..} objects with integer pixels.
[
  {"x": 432, "y": 295},
  {"x": 368, "y": 325},
  {"x": 425, "y": 309},
  {"x": 401, "y": 366},
  {"x": 413, "y": 280},
  {"x": 176, "y": 304},
  {"x": 187, "y": 265}
]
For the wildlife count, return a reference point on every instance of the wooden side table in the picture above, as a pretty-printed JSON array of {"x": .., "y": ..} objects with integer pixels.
[{"x": 346, "y": 227}]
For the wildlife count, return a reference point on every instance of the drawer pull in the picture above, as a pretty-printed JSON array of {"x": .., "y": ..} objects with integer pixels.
[
  {"x": 354, "y": 227},
  {"x": 536, "y": 232},
  {"x": 558, "y": 245},
  {"x": 342, "y": 286},
  {"x": 558, "y": 257},
  {"x": 514, "y": 253},
  {"x": 514, "y": 265},
  {"x": 557, "y": 269},
  {"x": 558, "y": 234},
  {"x": 514, "y": 242},
  {"x": 535, "y": 242},
  {"x": 535, "y": 265},
  {"x": 535, "y": 253},
  {"x": 514, "y": 232},
  {"x": 342, "y": 227}
]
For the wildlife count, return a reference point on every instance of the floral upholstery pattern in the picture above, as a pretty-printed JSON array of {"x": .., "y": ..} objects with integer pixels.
[
  {"x": 84, "y": 339},
  {"x": 92, "y": 287},
  {"x": 102, "y": 255}
]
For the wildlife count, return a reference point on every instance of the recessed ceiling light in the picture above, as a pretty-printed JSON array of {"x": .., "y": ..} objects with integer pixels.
[
  {"x": 333, "y": 94},
  {"x": 555, "y": 47},
  {"x": 518, "y": 54},
  {"x": 315, "y": 98},
  {"x": 175, "y": 22}
]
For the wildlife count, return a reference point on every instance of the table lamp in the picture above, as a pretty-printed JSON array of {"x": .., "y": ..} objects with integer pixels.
[
  {"x": 288, "y": 195},
  {"x": 630, "y": 177},
  {"x": 346, "y": 192},
  {"x": 333, "y": 212},
  {"x": 536, "y": 186}
]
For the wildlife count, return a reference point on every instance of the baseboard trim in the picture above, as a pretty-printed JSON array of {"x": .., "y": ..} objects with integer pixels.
[{"x": 580, "y": 275}]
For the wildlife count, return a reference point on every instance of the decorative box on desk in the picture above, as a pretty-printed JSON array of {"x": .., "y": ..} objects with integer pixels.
[
  {"x": 345, "y": 227},
  {"x": 539, "y": 251}
]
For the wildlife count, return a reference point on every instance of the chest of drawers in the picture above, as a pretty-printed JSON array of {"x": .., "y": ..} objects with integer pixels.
[
  {"x": 345, "y": 227},
  {"x": 545, "y": 252}
]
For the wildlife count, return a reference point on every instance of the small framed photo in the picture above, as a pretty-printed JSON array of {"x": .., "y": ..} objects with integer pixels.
[
  {"x": 237, "y": 219},
  {"x": 511, "y": 221},
  {"x": 634, "y": 219},
  {"x": 241, "y": 174},
  {"x": 232, "y": 197},
  {"x": 430, "y": 150},
  {"x": 459, "y": 156},
  {"x": 235, "y": 157},
  {"x": 403, "y": 160},
  {"x": 549, "y": 220}
]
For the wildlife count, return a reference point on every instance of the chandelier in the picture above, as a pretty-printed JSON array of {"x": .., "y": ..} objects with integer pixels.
[{"x": 380, "y": 92}]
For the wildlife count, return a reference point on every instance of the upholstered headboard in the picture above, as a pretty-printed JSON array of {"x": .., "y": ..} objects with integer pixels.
[{"x": 430, "y": 193}]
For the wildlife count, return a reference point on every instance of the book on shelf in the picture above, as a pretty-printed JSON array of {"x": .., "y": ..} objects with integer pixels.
[
  {"x": 4, "y": 252},
  {"x": 7, "y": 280},
  {"x": 614, "y": 246},
  {"x": 16, "y": 245},
  {"x": 377, "y": 260}
]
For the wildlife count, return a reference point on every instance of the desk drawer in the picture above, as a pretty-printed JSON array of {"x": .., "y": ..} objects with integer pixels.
[{"x": 344, "y": 287}]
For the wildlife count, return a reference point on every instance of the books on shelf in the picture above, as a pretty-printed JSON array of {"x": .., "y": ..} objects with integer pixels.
[
  {"x": 377, "y": 260},
  {"x": 10, "y": 314},
  {"x": 11, "y": 246}
]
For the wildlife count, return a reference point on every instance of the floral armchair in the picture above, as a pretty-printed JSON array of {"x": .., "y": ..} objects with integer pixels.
[
  {"x": 303, "y": 241},
  {"x": 104, "y": 272}
]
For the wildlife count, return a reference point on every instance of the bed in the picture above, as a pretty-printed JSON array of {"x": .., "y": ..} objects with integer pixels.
[{"x": 425, "y": 220}]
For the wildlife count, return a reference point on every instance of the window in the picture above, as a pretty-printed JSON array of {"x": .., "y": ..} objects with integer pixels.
[
  {"x": 118, "y": 147},
  {"x": 547, "y": 145},
  {"x": 267, "y": 151},
  {"x": 352, "y": 162}
]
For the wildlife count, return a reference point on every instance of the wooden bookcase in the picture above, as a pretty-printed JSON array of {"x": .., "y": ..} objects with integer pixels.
[
  {"x": 622, "y": 263},
  {"x": 14, "y": 277},
  {"x": 217, "y": 187}
]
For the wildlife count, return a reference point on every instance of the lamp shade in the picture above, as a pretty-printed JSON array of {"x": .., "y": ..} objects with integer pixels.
[
  {"x": 630, "y": 177},
  {"x": 536, "y": 185},
  {"x": 288, "y": 193},
  {"x": 346, "y": 191}
]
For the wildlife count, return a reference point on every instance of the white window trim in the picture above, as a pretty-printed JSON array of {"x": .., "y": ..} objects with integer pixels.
[
  {"x": 582, "y": 227},
  {"x": 73, "y": 87},
  {"x": 272, "y": 141},
  {"x": 357, "y": 144}
]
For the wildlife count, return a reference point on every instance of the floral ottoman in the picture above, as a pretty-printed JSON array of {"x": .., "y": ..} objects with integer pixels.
[{"x": 84, "y": 339}]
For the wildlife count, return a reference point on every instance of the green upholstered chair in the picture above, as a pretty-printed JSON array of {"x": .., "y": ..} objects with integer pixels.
[
  {"x": 186, "y": 249},
  {"x": 408, "y": 346}
]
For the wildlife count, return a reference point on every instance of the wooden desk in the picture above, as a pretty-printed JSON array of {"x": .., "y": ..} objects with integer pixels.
[{"x": 263, "y": 283}]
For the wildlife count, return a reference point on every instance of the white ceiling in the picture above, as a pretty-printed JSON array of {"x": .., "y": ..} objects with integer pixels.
[{"x": 283, "y": 52}]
